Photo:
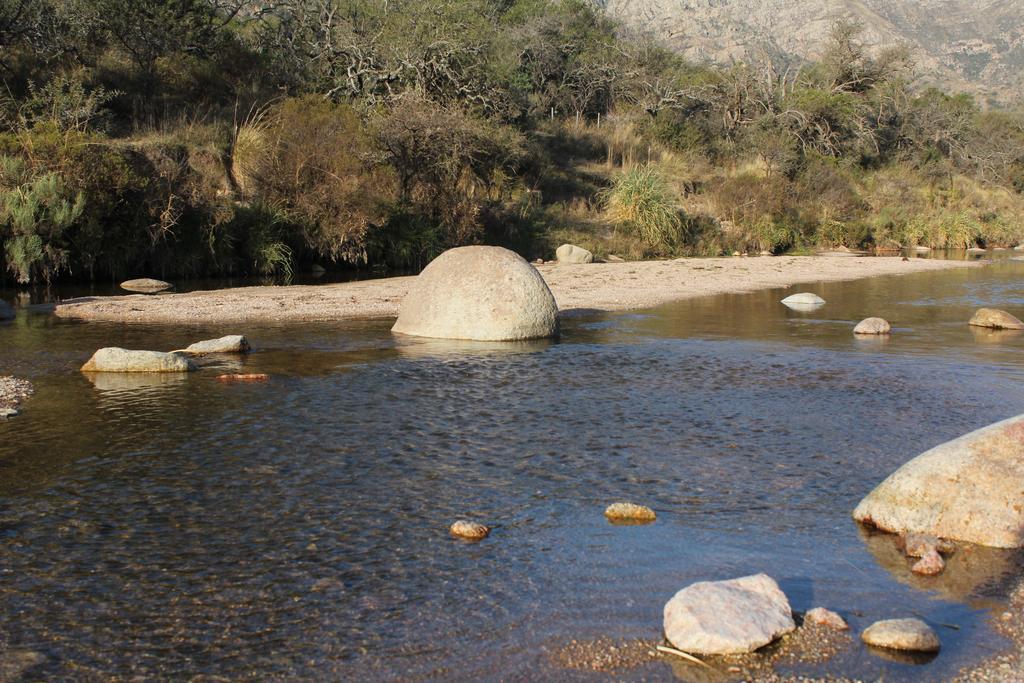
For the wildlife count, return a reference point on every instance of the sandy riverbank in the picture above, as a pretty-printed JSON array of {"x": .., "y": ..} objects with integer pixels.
[{"x": 602, "y": 286}]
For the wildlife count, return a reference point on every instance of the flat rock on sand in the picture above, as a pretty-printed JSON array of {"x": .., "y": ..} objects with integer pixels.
[
  {"x": 146, "y": 286},
  {"x": 728, "y": 617},
  {"x": 969, "y": 489},
  {"x": 600, "y": 286},
  {"x": 911, "y": 635}
]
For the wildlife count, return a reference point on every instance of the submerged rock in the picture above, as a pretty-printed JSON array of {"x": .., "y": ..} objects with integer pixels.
[
  {"x": 930, "y": 564},
  {"x": 115, "y": 359},
  {"x": 819, "y": 616},
  {"x": 873, "y": 326},
  {"x": 911, "y": 635},
  {"x": 919, "y": 545},
  {"x": 233, "y": 343},
  {"x": 479, "y": 293},
  {"x": 570, "y": 253},
  {"x": 968, "y": 489},
  {"x": 629, "y": 512},
  {"x": 472, "y": 531},
  {"x": 6, "y": 311},
  {"x": 146, "y": 286},
  {"x": 995, "y": 319},
  {"x": 728, "y": 617},
  {"x": 803, "y": 299}
]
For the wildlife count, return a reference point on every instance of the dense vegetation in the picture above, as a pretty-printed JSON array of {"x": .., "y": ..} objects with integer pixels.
[{"x": 215, "y": 137}]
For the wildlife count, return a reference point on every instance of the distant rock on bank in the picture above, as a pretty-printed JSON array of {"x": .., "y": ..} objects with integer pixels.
[
  {"x": 570, "y": 253},
  {"x": 995, "y": 319},
  {"x": 728, "y": 617},
  {"x": 968, "y": 489},
  {"x": 113, "y": 359},
  {"x": 479, "y": 293},
  {"x": 146, "y": 286}
]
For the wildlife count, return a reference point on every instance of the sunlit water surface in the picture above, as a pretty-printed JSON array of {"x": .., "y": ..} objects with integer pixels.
[{"x": 169, "y": 527}]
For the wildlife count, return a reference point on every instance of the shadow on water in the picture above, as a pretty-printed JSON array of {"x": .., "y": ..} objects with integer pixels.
[{"x": 298, "y": 528}]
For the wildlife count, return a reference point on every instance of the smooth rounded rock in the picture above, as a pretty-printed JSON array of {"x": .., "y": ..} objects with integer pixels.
[
  {"x": 912, "y": 635},
  {"x": 146, "y": 286},
  {"x": 570, "y": 253},
  {"x": 968, "y": 489},
  {"x": 873, "y": 326},
  {"x": 233, "y": 343},
  {"x": 115, "y": 359},
  {"x": 819, "y": 616},
  {"x": 472, "y": 531},
  {"x": 482, "y": 294},
  {"x": 803, "y": 299},
  {"x": 629, "y": 512},
  {"x": 995, "y": 319},
  {"x": 728, "y": 617},
  {"x": 6, "y": 311}
]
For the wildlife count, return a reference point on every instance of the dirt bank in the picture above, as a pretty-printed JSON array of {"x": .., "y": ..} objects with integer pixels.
[{"x": 603, "y": 286}]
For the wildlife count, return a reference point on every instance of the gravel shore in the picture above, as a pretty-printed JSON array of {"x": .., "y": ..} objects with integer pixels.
[
  {"x": 12, "y": 392},
  {"x": 601, "y": 286}
]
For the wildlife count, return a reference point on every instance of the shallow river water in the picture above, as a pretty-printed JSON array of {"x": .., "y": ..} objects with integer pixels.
[{"x": 297, "y": 529}]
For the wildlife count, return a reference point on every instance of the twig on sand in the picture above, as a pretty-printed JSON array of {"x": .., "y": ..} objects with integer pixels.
[
  {"x": 921, "y": 616},
  {"x": 684, "y": 655}
]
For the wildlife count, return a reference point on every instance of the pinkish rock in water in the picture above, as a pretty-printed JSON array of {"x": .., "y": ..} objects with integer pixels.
[
  {"x": 930, "y": 564},
  {"x": 819, "y": 616}
]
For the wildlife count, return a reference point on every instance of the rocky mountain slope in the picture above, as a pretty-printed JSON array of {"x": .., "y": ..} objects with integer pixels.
[{"x": 969, "y": 45}]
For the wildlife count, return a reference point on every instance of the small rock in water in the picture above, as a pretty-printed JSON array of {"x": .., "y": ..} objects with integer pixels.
[
  {"x": 146, "y": 286},
  {"x": 251, "y": 377},
  {"x": 728, "y": 617},
  {"x": 902, "y": 634},
  {"x": 629, "y": 512},
  {"x": 804, "y": 298},
  {"x": 918, "y": 545},
  {"x": 930, "y": 564},
  {"x": 819, "y": 616},
  {"x": 873, "y": 326},
  {"x": 472, "y": 531},
  {"x": 996, "y": 319},
  {"x": 114, "y": 359},
  {"x": 233, "y": 343},
  {"x": 8, "y": 412},
  {"x": 570, "y": 253}
]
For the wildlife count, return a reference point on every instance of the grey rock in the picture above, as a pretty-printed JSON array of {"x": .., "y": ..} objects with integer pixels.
[
  {"x": 113, "y": 359},
  {"x": 995, "y": 319},
  {"x": 873, "y": 326},
  {"x": 968, "y": 489},
  {"x": 902, "y": 634},
  {"x": 233, "y": 343},
  {"x": 728, "y": 617},
  {"x": 570, "y": 253},
  {"x": 6, "y": 311},
  {"x": 479, "y": 293},
  {"x": 804, "y": 298}
]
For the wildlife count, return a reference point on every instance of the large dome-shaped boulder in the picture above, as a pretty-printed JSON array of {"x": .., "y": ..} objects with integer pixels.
[
  {"x": 969, "y": 489},
  {"x": 479, "y": 293}
]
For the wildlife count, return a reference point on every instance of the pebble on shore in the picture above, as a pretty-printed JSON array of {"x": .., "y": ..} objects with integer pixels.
[
  {"x": 471, "y": 531},
  {"x": 629, "y": 512},
  {"x": 819, "y": 616}
]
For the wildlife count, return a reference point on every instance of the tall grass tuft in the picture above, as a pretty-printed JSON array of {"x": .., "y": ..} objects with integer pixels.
[
  {"x": 642, "y": 200},
  {"x": 250, "y": 147}
]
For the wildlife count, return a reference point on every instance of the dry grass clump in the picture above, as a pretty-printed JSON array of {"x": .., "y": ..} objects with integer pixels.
[{"x": 642, "y": 200}]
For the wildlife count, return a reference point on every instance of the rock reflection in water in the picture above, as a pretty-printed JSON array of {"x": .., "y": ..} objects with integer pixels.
[{"x": 973, "y": 574}]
